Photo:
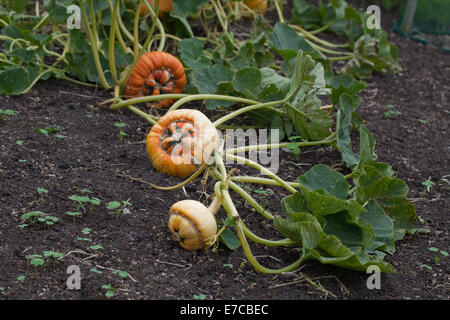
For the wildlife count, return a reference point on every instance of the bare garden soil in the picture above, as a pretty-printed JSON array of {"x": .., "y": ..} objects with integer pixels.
[{"x": 89, "y": 156}]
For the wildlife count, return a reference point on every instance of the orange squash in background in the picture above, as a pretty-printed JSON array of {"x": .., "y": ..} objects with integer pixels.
[
  {"x": 155, "y": 73},
  {"x": 164, "y": 6}
]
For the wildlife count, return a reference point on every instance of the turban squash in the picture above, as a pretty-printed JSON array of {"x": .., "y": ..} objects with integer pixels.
[
  {"x": 180, "y": 141},
  {"x": 192, "y": 224},
  {"x": 156, "y": 72}
]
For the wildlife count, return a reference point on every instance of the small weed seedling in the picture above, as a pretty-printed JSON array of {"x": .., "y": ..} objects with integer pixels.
[
  {"x": 294, "y": 147},
  {"x": 117, "y": 207},
  {"x": 48, "y": 220},
  {"x": 84, "y": 239},
  {"x": 442, "y": 252},
  {"x": 53, "y": 254},
  {"x": 122, "y": 134},
  {"x": 7, "y": 112},
  {"x": 94, "y": 270},
  {"x": 200, "y": 296},
  {"x": 427, "y": 184},
  {"x": 96, "y": 248},
  {"x": 122, "y": 274},
  {"x": 82, "y": 200},
  {"x": 34, "y": 216},
  {"x": 42, "y": 192},
  {"x": 109, "y": 290},
  {"x": 48, "y": 131},
  {"x": 391, "y": 113},
  {"x": 73, "y": 214},
  {"x": 264, "y": 196},
  {"x": 94, "y": 202},
  {"x": 85, "y": 231},
  {"x": 35, "y": 260}
]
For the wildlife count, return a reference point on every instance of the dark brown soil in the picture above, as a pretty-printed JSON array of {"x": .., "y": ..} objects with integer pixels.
[{"x": 415, "y": 143}]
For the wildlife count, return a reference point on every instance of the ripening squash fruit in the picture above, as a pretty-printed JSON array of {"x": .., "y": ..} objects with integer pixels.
[
  {"x": 180, "y": 141},
  {"x": 192, "y": 224},
  {"x": 257, "y": 6},
  {"x": 164, "y": 6},
  {"x": 155, "y": 73}
]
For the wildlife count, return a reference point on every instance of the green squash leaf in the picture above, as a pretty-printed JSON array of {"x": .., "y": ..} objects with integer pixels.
[{"x": 322, "y": 177}]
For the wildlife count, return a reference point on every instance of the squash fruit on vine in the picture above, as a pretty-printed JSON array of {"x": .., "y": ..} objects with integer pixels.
[
  {"x": 180, "y": 141},
  {"x": 164, "y": 6},
  {"x": 156, "y": 72}
]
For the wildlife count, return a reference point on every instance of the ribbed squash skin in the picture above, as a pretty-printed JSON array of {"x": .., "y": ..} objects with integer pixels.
[
  {"x": 159, "y": 72},
  {"x": 192, "y": 224},
  {"x": 203, "y": 142}
]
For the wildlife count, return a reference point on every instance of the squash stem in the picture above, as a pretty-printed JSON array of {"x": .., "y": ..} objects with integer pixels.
[
  {"x": 238, "y": 225},
  {"x": 270, "y": 243},
  {"x": 261, "y": 169},
  {"x": 122, "y": 104},
  {"x": 136, "y": 29},
  {"x": 247, "y": 197},
  {"x": 92, "y": 36},
  {"x": 157, "y": 23},
  {"x": 222, "y": 22},
  {"x": 112, "y": 39},
  {"x": 259, "y": 180},
  {"x": 328, "y": 140},
  {"x": 143, "y": 114},
  {"x": 194, "y": 97}
]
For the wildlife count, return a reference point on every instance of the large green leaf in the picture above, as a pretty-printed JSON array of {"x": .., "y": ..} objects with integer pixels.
[
  {"x": 328, "y": 249},
  {"x": 81, "y": 61},
  {"x": 246, "y": 80},
  {"x": 306, "y": 15},
  {"x": 349, "y": 230},
  {"x": 245, "y": 56},
  {"x": 310, "y": 122},
  {"x": 191, "y": 53},
  {"x": 286, "y": 42},
  {"x": 343, "y": 130},
  {"x": 207, "y": 80},
  {"x": 344, "y": 84},
  {"x": 294, "y": 206},
  {"x": 20, "y": 5},
  {"x": 178, "y": 26},
  {"x": 14, "y": 80},
  {"x": 390, "y": 194},
  {"x": 382, "y": 226},
  {"x": 271, "y": 77},
  {"x": 366, "y": 146},
  {"x": 185, "y": 7},
  {"x": 325, "y": 191},
  {"x": 37, "y": 39},
  {"x": 211, "y": 80},
  {"x": 322, "y": 177},
  {"x": 332, "y": 251}
]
